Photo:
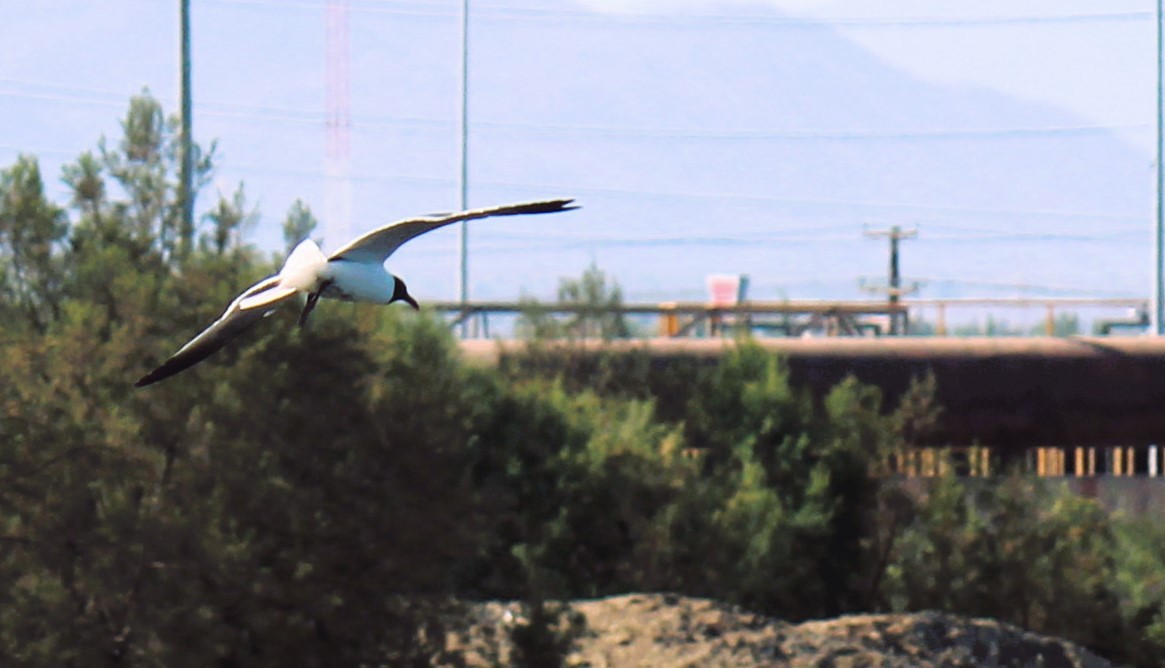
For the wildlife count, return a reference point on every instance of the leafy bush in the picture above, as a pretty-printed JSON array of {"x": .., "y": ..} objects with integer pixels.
[{"x": 1018, "y": 550}]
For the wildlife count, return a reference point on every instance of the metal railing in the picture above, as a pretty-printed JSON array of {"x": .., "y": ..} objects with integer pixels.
[{"x": 793, "y": 317}]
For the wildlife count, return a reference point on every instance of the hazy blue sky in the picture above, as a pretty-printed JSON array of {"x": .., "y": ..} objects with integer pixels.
[
  {"x": 1103, "y": 69},
  {"x": 672, "y": 167}
]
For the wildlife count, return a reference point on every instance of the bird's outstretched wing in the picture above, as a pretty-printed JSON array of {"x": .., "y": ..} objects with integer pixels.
[
  {"x": 377, "y": 245},
  {"x": 248, "y": 308}
]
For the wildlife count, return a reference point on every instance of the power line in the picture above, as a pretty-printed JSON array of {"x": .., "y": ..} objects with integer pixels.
[
  {"x": 1090, "y": 291},
  {"x": 1136, "y": 225},
  {"x": 399, "y": 9},
  {"x": 490, "y": 242},
  {"x": 720, "y": 197},
  {"x": 63, "y": 98},
  {"x": 591, "y": 131},
  {"x": 979, "y": 234},
  {"x": 769, "y": 22},
  {"x": 267, "y": 114},
  {"x": 771, "y": 199},
  {"x": 689, "y": 20}
]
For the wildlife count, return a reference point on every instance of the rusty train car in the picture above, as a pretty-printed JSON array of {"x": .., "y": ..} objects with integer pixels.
[{"x": 1009, "y": 394}]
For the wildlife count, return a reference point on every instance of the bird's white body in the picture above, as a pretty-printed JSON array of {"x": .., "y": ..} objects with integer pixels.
[
  {"x": 308, "y": 270},
  {"x": 305, "y": 267},
  {"x": 357, "y": 282},
  {"x": 355, "y": 272}
]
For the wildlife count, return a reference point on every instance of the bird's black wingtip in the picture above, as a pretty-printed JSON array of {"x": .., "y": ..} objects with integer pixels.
[
  {"x": 552, "y": 206},
  {"x": 161, "y": 373}
]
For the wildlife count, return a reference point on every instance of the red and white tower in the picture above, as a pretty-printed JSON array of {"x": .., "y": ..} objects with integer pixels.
[{"x": 337, "y": 146}]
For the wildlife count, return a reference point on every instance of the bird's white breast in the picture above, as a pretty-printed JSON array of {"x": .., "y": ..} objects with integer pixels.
[{"x": 358, "y": 281}]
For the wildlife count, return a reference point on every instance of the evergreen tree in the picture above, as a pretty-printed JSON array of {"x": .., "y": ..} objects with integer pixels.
[
  {"x": 31, "y": 232},
  {"x": 299, "y": 225},
  {"x": 596, "y": 299}
]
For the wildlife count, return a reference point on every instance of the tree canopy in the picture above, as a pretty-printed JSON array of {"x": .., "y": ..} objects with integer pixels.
[{"x": 329, "y": 495}]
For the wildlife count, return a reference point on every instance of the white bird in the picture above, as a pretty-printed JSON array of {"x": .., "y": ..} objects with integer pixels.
[{"x": 355, "y": 272}]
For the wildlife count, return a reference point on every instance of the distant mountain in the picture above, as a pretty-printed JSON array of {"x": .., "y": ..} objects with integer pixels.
[
  {"x": 751, "y": 135},
  {"x": 696, "y": 146}
]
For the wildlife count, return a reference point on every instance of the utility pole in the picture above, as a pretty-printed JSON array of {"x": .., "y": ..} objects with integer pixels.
[
  {"x": 463, "y": 180},
  {"x": 1157, "y": 317},
  {"x": 186, "y": 170},
  {"x": 894, "y": 288},
  {"x": 337, "y": 143}
]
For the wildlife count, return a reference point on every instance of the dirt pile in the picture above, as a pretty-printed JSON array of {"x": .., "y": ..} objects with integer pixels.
[{"x": 661, "y": 630}]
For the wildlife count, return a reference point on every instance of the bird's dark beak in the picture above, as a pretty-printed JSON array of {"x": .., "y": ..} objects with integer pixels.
[{"x": 400, "y": 293}]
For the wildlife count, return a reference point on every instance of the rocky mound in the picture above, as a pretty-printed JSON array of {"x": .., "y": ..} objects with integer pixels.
[{"x": 661, "y": 630}]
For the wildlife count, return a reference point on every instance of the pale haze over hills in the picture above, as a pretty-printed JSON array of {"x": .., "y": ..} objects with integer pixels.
[{"x": 720, "y": 138}]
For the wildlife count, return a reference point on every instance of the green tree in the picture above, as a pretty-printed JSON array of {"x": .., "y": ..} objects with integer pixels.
[
  {"x": 31, "y": 233},
  {"x": 1140, "y": 577},
  {"x": 325, "y": 496},
  {"x": 595, "y": 298},
  {"x": 776, "y": 519},
  {"x": 1017, "y": 551},
  {"x": 299, "y": 225},
  {"x": 230, "y": 222},
  {"x": 238, "y": 514},
  {"x": 800, "y": 483},
  {"x": 991, "y": 327},
  {"x": 1063, "y": 324},
  {"x": 144, "y": 167}
]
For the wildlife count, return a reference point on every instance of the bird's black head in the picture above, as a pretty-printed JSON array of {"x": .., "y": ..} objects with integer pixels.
[{"x": 400, "y": 293}]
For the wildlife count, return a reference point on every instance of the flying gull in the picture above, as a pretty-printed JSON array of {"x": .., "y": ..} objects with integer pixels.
[{"x": 355, "y": 272}]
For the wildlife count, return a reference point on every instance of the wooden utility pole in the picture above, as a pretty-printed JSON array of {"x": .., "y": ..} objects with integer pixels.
[{"x": 894, "y": 288}]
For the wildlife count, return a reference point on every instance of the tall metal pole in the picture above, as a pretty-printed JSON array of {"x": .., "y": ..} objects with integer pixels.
[
  {"x": 463, "y": 292},
  {"x": 337, "y": 143},
  {"x": 1157, "y": 318},
  {"x": 186, "y": 175}
]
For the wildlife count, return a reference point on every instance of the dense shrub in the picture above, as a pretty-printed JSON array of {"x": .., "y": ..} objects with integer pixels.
[{"x": 1014, "y": 549}]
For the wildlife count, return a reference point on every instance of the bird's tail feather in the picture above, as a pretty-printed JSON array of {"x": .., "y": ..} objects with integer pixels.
[
  {"x": 307, "y": 252},
  {"x": 303, "y": 267}
]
